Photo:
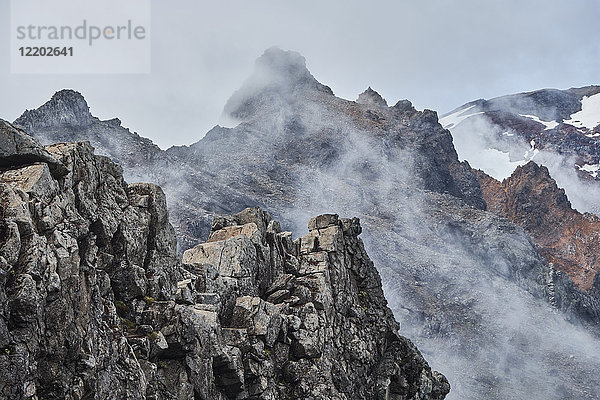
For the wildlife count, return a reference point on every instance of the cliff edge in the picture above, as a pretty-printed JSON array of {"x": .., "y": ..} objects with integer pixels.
[{"x": 95, "y": 303}]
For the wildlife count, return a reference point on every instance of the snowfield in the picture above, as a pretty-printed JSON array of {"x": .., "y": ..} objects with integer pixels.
[
  {"x": 592, "y": 169},
  {"x": 452, "y": 120},
  {"x": 589, "y": 116},
  {"x": 549, "y": 125}
]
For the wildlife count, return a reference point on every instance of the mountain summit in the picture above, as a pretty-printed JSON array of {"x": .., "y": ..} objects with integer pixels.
[
  {"x": 279, "y": 75},
  {"x": 280, "y": 66},
  {"x": 371, "y": 98},
  {"x": 66, "y": 117},
  {"x": 67, "y": 108}
]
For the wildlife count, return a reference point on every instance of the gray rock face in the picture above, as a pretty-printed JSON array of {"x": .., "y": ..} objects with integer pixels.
[
  {"x": 94, "y": 303},
  {"x": 72, "y": 247},
  {"x": 66, "y": 108},
  {"x": 18, "y": 148},
  {"x": 309, "y": 319}
]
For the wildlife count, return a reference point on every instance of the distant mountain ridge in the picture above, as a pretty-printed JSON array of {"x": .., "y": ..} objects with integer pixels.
[
  {"x": 561, "y": 122},
  {"x": 280, "y": 78},
  {"x": 566, "y": 238},
  {"x": 546, "y": 104}
]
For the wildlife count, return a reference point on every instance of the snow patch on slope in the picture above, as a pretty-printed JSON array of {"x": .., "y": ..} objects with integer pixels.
[
  {"x": 452, "y": 120},
  {"x": 547, "y": 124},
  {"x": 497, "y": 152},
  {"x": 498, "y": 164},
  {"x": 589, "y": 116},
  {"x": 593, "y": 169}
]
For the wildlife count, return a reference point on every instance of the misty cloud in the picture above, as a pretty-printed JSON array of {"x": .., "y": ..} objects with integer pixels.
[{"x": 499, "y": 151}]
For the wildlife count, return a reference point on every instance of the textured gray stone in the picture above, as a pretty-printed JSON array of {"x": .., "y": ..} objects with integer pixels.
[
  {"x": 95, "y": 304},
  {"x": 17, "y": 148}
]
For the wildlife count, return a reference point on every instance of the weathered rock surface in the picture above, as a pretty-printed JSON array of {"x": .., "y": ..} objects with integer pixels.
[
  {"x": 564, "y": 237},
  {"x": 308, "y": 317},
  {"x": 18, "y": 148},
  {"x": 66, "y": 108},
  {"x": 71, "y": 247},
  {"x": 94, "y": 303}
]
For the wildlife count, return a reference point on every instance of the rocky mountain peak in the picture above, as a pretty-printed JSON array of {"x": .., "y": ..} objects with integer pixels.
[
  {"x": 284, "y": 65},
  {"x": 536, "y": 179},
  {"x": 371, "y": 98},
  {"x": 566, "y": 238},
  {"x": 66, "y": 107},
  {"x": 530, "y": 189},
  {"x": 69, "y": 96},
  {"x": 277, "y": 75}
]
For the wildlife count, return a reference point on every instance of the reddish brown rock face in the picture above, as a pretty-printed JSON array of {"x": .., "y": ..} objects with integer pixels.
[{"x": 564, "y": 237}]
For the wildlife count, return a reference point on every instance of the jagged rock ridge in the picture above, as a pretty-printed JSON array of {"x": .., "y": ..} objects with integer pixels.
[
  {"x": 96, "y": 304},
  {"x": 566, "y": 238},
  {"x": 67, "y": 108},
  {"x": 556, "y": 128},
  {"x": 66, "y": 118}
]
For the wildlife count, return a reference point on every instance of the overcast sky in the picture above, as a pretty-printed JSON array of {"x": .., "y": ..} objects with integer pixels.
[{"x": 439, "y": 54}]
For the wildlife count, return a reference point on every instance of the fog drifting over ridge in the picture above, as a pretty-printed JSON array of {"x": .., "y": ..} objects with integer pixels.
[
  {"x": 448, "y": 269},
  {"x": 498, "y": 151},
  {"x": 437, "y": 54}
]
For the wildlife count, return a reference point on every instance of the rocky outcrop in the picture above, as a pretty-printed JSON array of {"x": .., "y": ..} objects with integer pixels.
[
  {"x": 306, "y": 318},
  {"x": 95, "y": 304},
  {"x": 73, "y": 246},
  {"x": 66, "y": 108},
  {"x": 566, "y": 238},
  {"x": 371, "y": 98},
  {"x": 17, "y": 148}
]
